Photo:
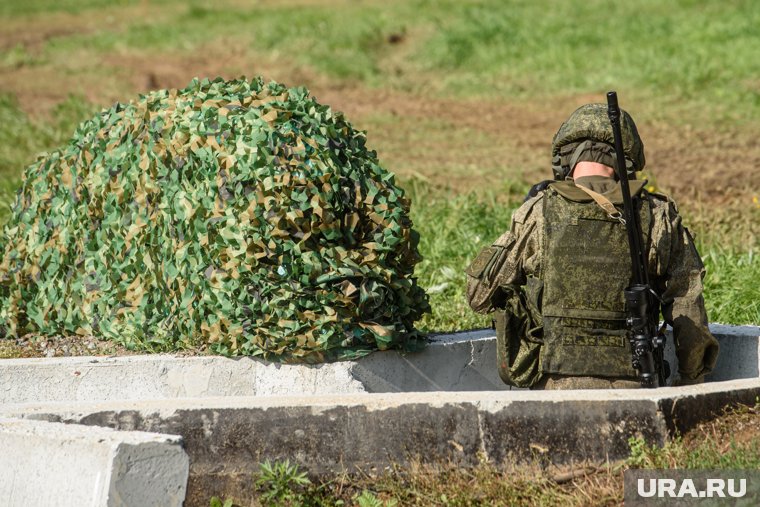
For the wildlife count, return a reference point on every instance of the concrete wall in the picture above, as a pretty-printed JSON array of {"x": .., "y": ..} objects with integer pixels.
[
  {"x": 226, "y": 438},
  {"x": 739, "y": 352},
  {"x": 461, "y": 363},
  {"x": 49, "y": 464},
  {"x": 458, "y": 362},
  {"x": 444, "y": 403}
]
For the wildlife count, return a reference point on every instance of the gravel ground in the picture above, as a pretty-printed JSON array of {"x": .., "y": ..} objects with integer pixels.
[
  {"x": 33, "y": 345},
  {"x": 59, "y": 346}
]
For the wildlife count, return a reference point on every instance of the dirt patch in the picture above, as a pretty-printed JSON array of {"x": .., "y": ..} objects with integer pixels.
[
  {"x": 34, "y": 40},
  {"x": 34, "y": 345},
  {"x": 59, "y": 346},
  {"x": 479, "y": 144},
  {"x": 693, "y": 165},
  {"x": 508, "y": 135},
  {"x": 737, "y": 426},
  {"x": 32, "y": 33}
]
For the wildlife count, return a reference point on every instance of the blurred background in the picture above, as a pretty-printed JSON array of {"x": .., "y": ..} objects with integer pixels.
[{"x": 459, "y": 98}]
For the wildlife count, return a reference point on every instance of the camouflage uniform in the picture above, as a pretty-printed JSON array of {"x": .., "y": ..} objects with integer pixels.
[{"x": 516, "y": 259}]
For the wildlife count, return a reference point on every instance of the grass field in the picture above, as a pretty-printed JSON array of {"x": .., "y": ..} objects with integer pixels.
[{"x": 460, "y": 99}]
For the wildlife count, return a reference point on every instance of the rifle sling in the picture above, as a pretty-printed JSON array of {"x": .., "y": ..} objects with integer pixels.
[{"x": 603, "y": 203}]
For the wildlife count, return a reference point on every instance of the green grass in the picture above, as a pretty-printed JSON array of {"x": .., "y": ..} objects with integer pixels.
[
  {"x": 707, "y": 455},
  {"x": 685, "y": 61},
  {"x": 36, "y": 7},
  {"x": 694, "y": 51},
  {"x": 452, "y": 231},
  {"x": 729, "y": 442},
  {"x": 453, "y": 227},
  {"x": 443, "y": 484},
  {"x": 732, "y": 294},
  {"x": 21, "y": 139},
  {"x": 345, "y": 43}
]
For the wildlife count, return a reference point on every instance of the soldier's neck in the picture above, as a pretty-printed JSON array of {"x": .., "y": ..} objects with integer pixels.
[{"x": 586, "y": 168}]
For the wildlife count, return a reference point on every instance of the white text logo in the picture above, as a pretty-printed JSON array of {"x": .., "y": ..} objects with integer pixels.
[{"x": 714, "y": 488}]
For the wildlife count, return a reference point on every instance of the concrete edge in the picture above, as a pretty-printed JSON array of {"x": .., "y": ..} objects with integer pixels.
[
  {"x": 226, "y": 438},
  {"x": 381, "y": 401},
  {"x": 459, "y": 336},
  {"x": 469, "y": 360},
  {"x": 693, "y": 406},
  {"x": 730, "y": 329},
  {"x": 436, "y": 339},
  {"x": 371, "y": 432},
  {"x": 49, "y": 463}
]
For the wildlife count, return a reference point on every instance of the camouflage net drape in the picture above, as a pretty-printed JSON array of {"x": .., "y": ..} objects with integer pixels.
[{"x": 235, "y": 213}]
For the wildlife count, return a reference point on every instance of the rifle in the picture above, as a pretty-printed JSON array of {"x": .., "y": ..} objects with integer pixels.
[{"x": 642, "y": 304}]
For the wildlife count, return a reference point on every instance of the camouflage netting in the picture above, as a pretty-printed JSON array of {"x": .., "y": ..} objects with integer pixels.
[{"x": 235, "y": 213}]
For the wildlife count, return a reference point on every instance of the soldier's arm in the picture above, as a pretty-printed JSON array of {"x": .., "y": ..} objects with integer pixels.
[
  {"x": 683, "y": 303},
  {"x": 507, "y": 261}
]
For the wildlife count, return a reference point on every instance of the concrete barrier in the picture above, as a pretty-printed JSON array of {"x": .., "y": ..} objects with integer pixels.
[
  {"x": 226, "y": 438},
  {"x": 456, "y": 362},
  {"x": 44, "y": 464},
  {"x": 739, "y": 352},
  {"x": 444, "y": 403}
]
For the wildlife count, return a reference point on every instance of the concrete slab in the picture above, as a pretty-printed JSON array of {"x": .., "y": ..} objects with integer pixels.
[
  {"x": 455, "y": 362},
  {"x": 227, "y": 437},
  {"x": 44, "y": 464},
  {"x": 739, "y": 352},
  {"x": 444, "y": 403},
  {"x": 469, "y": 360}
]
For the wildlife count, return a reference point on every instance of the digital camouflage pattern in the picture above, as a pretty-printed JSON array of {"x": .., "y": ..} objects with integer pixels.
[
  {"x": 592, "y": 122},
  {"x": 518, "y": 258},
  {"x": 587, "y": 265},
  {"x": 238, "y": 214}
]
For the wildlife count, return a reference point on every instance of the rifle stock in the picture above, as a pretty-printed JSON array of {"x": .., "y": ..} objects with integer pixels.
[{"x": 642, "y": 309}]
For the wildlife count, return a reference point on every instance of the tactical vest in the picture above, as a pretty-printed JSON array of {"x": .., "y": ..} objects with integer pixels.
[{"x": 586, "y": 266}]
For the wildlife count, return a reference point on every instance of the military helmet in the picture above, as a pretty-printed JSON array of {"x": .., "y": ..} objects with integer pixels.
[{"x": 591, "y": 123}]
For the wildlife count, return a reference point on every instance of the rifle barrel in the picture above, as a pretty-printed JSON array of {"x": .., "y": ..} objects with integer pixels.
[
  {"x": 646, "y": 355},
  {"x": 638, "y": 261}
]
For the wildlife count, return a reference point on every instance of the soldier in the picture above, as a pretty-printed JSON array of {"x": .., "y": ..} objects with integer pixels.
[{"x": 555, "y": 280}]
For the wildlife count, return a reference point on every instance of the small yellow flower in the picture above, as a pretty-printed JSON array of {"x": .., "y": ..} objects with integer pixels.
[
  {"x": 756, "y": 201},
  {"x": 651, "y": 188}
]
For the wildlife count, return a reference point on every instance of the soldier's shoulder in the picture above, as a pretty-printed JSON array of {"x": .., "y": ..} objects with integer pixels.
[
  {"x": 525, "y": 211},
  {"x": 661, "y": 200},
  {"x": 537, "y": 188},
  {"x": 657, "y": 196}
]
